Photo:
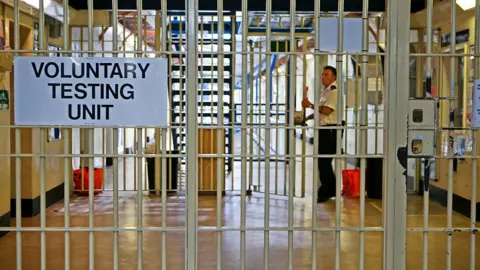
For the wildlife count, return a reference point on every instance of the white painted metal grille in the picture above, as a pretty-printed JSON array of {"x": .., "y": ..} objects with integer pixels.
[{"x": 244, "y": 184}]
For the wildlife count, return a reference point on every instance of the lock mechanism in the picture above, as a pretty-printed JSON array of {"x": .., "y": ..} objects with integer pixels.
[
  {"x": 422, "y": 128},
  {"x": 417, "y": 116},
  {"x": 417, "y": 146}
]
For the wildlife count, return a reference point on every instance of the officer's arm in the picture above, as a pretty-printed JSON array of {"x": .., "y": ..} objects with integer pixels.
[{"x": 324, "y": 110}]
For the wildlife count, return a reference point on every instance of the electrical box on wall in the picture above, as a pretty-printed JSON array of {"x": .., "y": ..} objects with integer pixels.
[{"x": 422, "y": 122}]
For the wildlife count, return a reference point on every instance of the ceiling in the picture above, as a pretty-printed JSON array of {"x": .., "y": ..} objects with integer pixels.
[{"x": 235, "y": 5}]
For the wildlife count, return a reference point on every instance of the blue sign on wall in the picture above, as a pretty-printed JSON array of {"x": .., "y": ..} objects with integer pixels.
[{"x": 461, "y": 36}]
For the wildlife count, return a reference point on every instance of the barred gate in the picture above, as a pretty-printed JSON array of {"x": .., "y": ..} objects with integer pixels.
[{"x": 221, "y": 134}]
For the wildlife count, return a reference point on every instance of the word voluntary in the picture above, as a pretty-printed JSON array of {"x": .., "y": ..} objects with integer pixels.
[
  {"x": 55, "y": 70},
  {"x": 89, "y": 82}
]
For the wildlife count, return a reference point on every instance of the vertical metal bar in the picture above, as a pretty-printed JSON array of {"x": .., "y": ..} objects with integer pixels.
[
  {"x": 473, "y": 200},
  {"x": 159, "y": 47},
  {"x": 43, "y": 203},
  {"x": 135, "y": 135},
  {"x": 145, "y": 138},
  {"x": 267, "y": 134},
  {"x": 220, "y": 138},
  {"x": 139, "y": 146},
  {"x": 164, "y": 144},
  {"x": 304, "y": 130},
  {"x": 345, "y": 141},
  {"x": 396, "y": 132},
  {"x": 18, "y": 150},
  {"x": 338, "y": 169},
  {"x": 426, "y": 191},
  {"x": 244, "y": 136},
  {"x": 182, "y": 93},
  {"x": 212, "y": 83},
  {"x": 451, "y": 134},
  {"x": 291, "y": 133},
  {"x": 288, "y": 133},
  {"x": 251, "y": 130},
  {"x": 259, "y": 117},
  {"x": 104, "y": 145},
  {"x": 124, "y": 138},
  {"x": 316, "y": 122},
  {"x": 66, "y": 144},
  {"x": 139, "y": 198},
  {"x": 192, "y": 186},
  {"x": 232, "y": 112},
  {"x": 277, "y": 127},
  {"x": 115, "y": 147},
  {"x": 363, "y": 132},
  {"x": 91, "y": 138},
  {"x": 164, "y": 191},
  {"x": 43, "y": 219},
  {"x": 115, "y": 195},
  {"x": 377, "y": 84}
]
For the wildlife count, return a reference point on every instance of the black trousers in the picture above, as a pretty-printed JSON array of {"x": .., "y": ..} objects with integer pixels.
[{"x": 327, "y": 145}]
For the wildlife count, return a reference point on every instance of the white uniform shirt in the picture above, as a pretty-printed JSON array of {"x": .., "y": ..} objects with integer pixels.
[{"x": 329, "y": 99}]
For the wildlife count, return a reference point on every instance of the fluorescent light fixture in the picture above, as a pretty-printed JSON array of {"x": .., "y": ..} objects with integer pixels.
[
  {"x": 466, "y": 4},
  {"x": 51, "y": 8}
]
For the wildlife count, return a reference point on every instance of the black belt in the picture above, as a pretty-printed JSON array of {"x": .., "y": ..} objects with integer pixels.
[{"x": 336, "y": 125}]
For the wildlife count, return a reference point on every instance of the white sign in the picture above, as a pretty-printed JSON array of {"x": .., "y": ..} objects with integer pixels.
[
  {"x": 352, "y": 34},
  {"x": 476, "y": 104},
  {"x": 57, "y": 91}
]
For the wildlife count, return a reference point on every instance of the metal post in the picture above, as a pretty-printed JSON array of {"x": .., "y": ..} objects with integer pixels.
[
  {"x": 139, "y": 148},
  {"x": 67, "y": 145},
  {"x": 243, "y": 213},
  {"x": 338, "y": 169},
  {"x": 426, "y": 191},
  {"x": 363, "y": 133},
  {"x": 291, "y": 136},
  {"x": 18, "y": 150},
  {"x": 266, "y": 235},
  {"x": 220, "y": 138},
  {"x": 473, "y": 199},
  {"x": 451, "y": 134},
  {"x": 91, "y": 138},
  {"x": 115, "y": 147},
  {"x": 316, "y": 121},
  {"x": 192, "y": 186},
  {"x": 43, "y": 131},
  {"x": 396, "y": 131},
  {"x": 164, "y": 146}
]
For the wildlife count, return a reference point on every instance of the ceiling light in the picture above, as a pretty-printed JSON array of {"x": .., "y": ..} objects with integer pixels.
[{"x": 466, "y": 4}]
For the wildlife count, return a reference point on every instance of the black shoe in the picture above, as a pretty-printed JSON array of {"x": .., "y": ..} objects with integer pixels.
[{"x": 322, "y": 199}]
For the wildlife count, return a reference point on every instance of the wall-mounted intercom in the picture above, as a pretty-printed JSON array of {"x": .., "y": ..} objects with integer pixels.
[{"x": 422, "y": 122}]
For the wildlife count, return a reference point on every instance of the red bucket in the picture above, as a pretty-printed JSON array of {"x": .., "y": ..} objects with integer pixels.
[
  {"x": 97, "y": 184},
  {"x": 351, "y": 183}
]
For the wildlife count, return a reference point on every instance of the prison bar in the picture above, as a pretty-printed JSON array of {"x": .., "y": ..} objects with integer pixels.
[{"x": 394, "y": 210}]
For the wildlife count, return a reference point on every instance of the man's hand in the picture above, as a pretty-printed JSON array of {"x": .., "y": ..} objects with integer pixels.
[{"x": 306, "y": 103}]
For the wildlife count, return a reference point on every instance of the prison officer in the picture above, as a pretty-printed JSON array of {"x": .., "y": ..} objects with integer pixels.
[{"x": 327, "y": 137}]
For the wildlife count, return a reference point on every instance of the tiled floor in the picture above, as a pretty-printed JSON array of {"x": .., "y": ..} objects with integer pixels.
[
  {"x": 231, "y": 205},
  {"x": 278, "y": 253}
]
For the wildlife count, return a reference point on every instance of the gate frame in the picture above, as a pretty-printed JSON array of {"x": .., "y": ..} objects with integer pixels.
[{"x": 395, "y": 203}]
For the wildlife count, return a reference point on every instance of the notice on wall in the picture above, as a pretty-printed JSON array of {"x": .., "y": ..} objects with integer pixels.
[
  {"x": 476, "y": 104},
  {"x": 81, "y": 91}
]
